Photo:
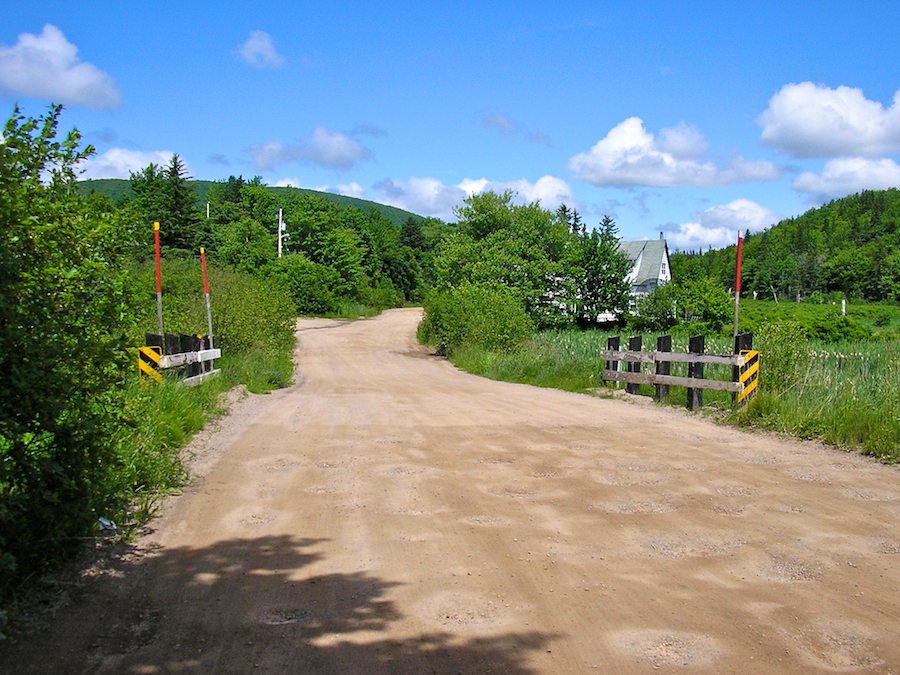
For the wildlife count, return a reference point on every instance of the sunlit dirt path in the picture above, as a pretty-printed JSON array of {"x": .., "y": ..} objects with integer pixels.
[{"x": 389, "y": 514}]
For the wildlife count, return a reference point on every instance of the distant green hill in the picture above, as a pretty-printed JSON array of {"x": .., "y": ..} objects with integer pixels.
[
  {"x": 120, "y": 188},
  {"x": 850, "y": 247}
]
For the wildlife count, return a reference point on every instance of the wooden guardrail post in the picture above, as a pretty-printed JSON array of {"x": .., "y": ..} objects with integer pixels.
[
  {"x": 695, "y": 370},
  {"x": 742, "y": 342},
  {"x": 663, "y": 344},
  {"x": 612, "y": 344},
  {"x": 634, "y": 345}
]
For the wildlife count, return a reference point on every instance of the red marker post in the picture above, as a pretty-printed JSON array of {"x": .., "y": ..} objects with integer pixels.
[
  {"x": 737, "y": 287},
  {"x": 158, "y": 282},
  {"x": 206, "y": 290}
]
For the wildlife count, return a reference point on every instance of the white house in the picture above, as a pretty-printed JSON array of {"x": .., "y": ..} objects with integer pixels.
[{"x": 651, "y": 268}]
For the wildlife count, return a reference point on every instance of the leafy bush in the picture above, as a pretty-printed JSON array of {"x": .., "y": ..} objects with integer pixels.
[
  {"x": 382, "y": 297},
  {"x": 785, "y": 354},
  {"x": 836, "y": 329},
  {"x": 247, "y": 313},
  {"x": 700, "y": 305},
  {"x": 474, "y": 315},
  {"x": 63, "y": 319},
  {"x": 308, "y": 284}
]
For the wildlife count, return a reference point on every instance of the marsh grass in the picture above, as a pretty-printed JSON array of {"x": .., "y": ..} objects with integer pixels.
[{"x": 846, "y": 393}]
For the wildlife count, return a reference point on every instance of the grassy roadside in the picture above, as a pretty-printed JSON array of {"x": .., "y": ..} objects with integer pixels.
[{"x": 844, "y": 393}]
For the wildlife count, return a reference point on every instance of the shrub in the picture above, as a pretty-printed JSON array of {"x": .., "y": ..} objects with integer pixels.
[
  {"x": 248, "y": 314},
  {"x": 474, "y": 315},
  {"x": 836, "y": 329},
  {"x": 309, "y": 284},
  {"x": 784, "y": 354}
]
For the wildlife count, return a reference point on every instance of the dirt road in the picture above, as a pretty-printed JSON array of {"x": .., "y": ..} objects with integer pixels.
[{"x": 389, "y": 514}]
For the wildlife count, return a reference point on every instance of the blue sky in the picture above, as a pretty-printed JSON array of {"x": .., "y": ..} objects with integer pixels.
[{"x": 695, "y": 119}]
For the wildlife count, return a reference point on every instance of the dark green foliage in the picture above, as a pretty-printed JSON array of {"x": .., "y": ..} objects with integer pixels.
[
  {"x": 310, "y": 286},
  {"x": 601, "y": 284},
  {"x": 78, "y": 439},
  {"x": 248, "y": 314},
  {"x": 63, "y": 318},
  {"x": 163, "y": 195},
  {"x": 821, "y": 321},
  {"x": 245, "y": 245},
  {"x": 698, "y": 305},
  {"x": 489, "y": 318},
  {"x": 560, "y": 273},
  {"x": 848, "y": 246}
]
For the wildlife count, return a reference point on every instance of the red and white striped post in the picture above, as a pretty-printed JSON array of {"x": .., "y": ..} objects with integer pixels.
[
  {"x": 206, "y": 290},
  {"x": 737, "y": 287},
  {"x": 158, "y": 282}
]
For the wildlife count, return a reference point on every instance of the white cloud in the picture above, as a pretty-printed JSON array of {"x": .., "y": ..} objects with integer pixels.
[
  {"x": 334, "y": 150},
  {"x": 47, "y": 66},
  {"x": 424, "y": 196},
  {"x": 549, "y": 190},
  {"x": 290, "y": 182},
  {"x": 719, "y": 226},
  {"x": 330, "y": 149},
  {"x": 431, "y": 197},
  {"x": 808, "y": 121},
  {"x": 349, "y": 189},
  {"x": 682, "y": 142},
  {"x": 629, "y": 156},
  {"x": 259, "y": 51},
  {"x": 841, "y": 177},
  {"x": 121, "y": 163}
]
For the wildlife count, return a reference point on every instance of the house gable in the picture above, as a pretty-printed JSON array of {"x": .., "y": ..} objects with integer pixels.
[{"x": 650, "y": 264}]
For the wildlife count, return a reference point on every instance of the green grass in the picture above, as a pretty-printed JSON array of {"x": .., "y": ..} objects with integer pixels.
[
  {"x": 846, "y": 394},
  {"x": 354, "y": 310},
  {"x": 571, "y": 360}
]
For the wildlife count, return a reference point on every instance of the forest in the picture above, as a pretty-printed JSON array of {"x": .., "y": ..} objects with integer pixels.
[{"x": 848, "y": 248}]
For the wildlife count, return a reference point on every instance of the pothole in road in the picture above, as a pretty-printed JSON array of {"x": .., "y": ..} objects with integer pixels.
[
  {"x": 665, "y": 649},
  {"x": 487, "y": 521},
  {"x": 635, "y": 506},
  {"x": 786, "y": 567},
  {"x": 464, "y": 610},
  {"x": 687, "y": 546},
  {"x": 838, "y": 645}
]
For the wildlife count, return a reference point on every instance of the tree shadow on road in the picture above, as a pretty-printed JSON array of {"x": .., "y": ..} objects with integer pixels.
[{"x": 248, "y": 605}]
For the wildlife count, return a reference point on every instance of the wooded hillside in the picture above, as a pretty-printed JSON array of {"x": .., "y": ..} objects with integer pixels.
[
  {"x": 849, "y": 247},
  {"x": 119, "y": 189}
]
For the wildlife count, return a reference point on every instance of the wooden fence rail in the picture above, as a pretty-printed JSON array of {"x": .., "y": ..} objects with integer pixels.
[{"x": 745, "y": 368}]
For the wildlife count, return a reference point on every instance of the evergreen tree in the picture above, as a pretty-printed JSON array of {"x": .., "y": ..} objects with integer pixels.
[{"x": 163, "y": 195}]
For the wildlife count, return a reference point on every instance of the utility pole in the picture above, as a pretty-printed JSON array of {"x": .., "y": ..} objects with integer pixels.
[{"x": 280, "y": 228}]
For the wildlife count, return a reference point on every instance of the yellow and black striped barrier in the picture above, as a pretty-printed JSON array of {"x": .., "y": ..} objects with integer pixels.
[
  {"x": 148, "y": 363},
  {"x": 749, "y": 377}
]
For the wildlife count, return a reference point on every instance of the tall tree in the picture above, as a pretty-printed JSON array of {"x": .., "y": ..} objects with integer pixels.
[
  {"x": 602, "y": 287},
  {"x": 163, "y": 195}
]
